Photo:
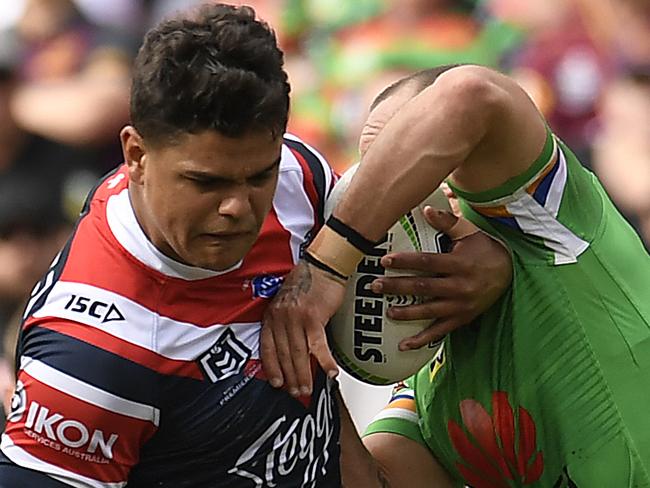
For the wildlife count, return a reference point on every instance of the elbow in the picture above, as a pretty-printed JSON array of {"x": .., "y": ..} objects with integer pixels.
[{"x": 475, "y": 90}]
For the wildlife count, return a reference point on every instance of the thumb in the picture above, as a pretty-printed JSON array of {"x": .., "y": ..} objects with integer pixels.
[
  {"x": 455, "y": 227},
  {"x": 439, "y": 219}
]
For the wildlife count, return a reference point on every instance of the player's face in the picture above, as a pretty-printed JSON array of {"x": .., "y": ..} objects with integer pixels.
[{"x": 202, "y": 200}]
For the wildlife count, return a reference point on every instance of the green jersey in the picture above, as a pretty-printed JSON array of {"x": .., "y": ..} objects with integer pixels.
[{"x": 551, "y": 387}]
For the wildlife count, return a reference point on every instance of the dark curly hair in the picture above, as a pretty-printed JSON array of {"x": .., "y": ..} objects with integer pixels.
[{"x": 219, "y": 69}]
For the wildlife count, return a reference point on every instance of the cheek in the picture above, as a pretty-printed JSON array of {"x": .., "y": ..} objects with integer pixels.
[
  {"x": 189, "y": 209},
  {"x": 174, "y": 206}
]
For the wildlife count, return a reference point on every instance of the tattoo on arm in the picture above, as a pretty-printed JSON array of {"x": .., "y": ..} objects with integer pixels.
[
  {"x": 301, "y": 284},
  {"x": 304, "y": 279}
]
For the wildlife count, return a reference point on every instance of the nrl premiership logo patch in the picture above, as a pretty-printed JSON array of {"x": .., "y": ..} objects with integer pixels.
[{"x": 225, "y": 358}]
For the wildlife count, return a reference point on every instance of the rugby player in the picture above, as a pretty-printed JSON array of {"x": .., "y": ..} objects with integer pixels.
[
  {"x": 549, "y": 388},
  {"x": 138, "y": 359}
]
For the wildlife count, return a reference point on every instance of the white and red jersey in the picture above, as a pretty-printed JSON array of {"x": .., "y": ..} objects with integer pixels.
[{"x": 136, "y": 370}]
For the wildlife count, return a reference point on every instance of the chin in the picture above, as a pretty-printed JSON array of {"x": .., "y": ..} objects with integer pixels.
[
  {"x": 219, "y": 258},
  {"x": 221, "y": 266},
  {"x": 214, "y": 264},
  {"x": 218, "y": 261}
]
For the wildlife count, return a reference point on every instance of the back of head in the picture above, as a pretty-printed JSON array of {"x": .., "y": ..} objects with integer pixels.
[
  {"x": 393, "y": 98},
  {"x": 418, "y": 81},
  {"x": 219, "y": 69}
]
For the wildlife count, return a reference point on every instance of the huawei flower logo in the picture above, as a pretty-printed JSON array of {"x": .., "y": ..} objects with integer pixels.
[{"x": 496, "y": 453}]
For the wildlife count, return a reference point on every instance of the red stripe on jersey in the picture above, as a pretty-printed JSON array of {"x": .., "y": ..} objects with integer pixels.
[
  {"x": 97, "y": 259},
  {"x": 271, "y": 253},
  {"x": 119, "y": 347},
  {"x": 232, "y": 294},
  {"x": 335, "y": 178},
  {"x": 104, "y": 263},
  {"x": 64, "y": 431},
  {"x": 308, "y": 179},
  {"x": 112, "y": 185}
]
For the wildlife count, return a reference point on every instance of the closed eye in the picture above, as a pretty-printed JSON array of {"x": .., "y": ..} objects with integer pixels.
[
  {"x": 265, "y": 175},
  {"x": 199, "y": 179},
  {"x": 202, "y": 180},
  {"x": 261, "y": 178},
  {"x": 205, "y": 181}
]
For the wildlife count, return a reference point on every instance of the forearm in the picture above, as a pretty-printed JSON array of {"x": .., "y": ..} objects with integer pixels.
[
  {"x": 432, "y": 135},
  {"x": 386, "y": 460},
  {"x": 73, "y": 112},
  {"x": 358, "y": 467}
]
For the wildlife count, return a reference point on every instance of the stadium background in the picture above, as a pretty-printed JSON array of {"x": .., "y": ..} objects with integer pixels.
[{"x": 64, "y": 84}]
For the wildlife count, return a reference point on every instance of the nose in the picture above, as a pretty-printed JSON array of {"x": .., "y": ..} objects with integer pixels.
[{"x": 236, "y": 204}]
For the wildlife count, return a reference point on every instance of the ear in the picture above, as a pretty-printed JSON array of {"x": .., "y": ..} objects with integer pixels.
[
  {"x": 135, "y": 154},
  {"x": 368, "y": 135},
  {"x": 375, "y": 123}
]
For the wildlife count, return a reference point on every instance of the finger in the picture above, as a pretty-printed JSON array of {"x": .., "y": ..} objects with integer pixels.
[
  {"x": 422, "y": 286},
  {"x": 449, "y": 193},
  {"x": 439, "y": 219},
  {"x": 426, "y": 262},
  {"x": 270, "y": 362},
  {"x": 320, "y": 350},
  {"x": 453, "y": 200},
  {"x": 301, "y": 360},
  {"x": 283, "y": 350},
  {"x": 434, "y": 333},
  {"x": 428, "y": 310},
  {"x": 456, "y": 228}
]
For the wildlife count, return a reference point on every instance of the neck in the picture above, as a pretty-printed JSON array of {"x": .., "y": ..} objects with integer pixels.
[{"x": 146, "y": 222}]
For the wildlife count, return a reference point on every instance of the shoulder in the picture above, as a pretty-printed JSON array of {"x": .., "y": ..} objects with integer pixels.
[
  {"x": 304, "y": 169},
  {"x": 298, "y": 154}
]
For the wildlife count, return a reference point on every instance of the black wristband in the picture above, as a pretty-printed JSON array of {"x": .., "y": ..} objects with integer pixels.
[
  {"x": 321, "y": 265},
  {"x": 352, "y": 236}
]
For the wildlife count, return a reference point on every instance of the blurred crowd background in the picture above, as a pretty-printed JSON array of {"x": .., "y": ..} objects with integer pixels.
[{"x": 65, "y": 76}]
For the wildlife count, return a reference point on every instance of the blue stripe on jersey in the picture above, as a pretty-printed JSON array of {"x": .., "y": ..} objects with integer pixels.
[
  {"x": 318, "y": 175},
  {"x": 95, "y": 366},
  {"x": 401, "y": 396},
  {"x": 40, "y": 293},
  {"x": 541, "y": 193},
  {"x": 13, "y": 476},
  {"x": 49, "y": 280},
  {"x": 509, "y": 221}
]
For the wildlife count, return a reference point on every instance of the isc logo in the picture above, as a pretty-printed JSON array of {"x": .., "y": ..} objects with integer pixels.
[{"x": 97, "y": 309}]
